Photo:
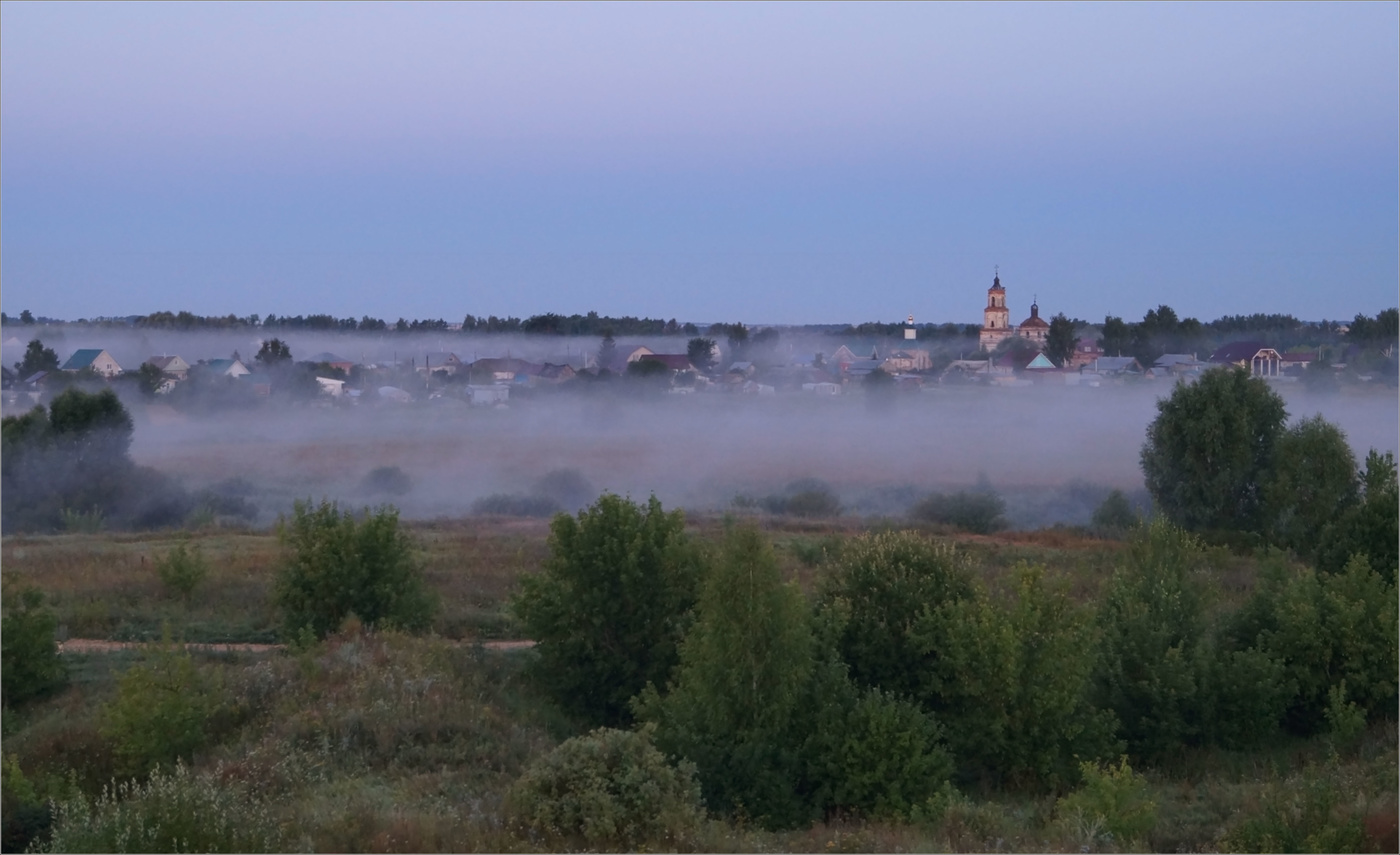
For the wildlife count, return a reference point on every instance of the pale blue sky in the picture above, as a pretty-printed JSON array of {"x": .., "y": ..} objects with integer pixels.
[{"x": 769, "y": 163}]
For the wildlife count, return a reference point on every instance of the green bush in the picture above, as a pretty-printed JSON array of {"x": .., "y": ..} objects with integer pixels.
[
  {"x": 387, "y": 481},
  {"x": 1312, "y": 482},
  {"x": 1326, "y": 628},
  {"x": 182, "y": 569},
  {"x": 1112, "y": 805},
  {"x": 163, "y": 712},
  {"x": 609, "y": 790},
  {"x": 516, "y": 505},
  {"x": 1210, "y": 451},
  {"x": 1151, "y": 624},
  {"x": 609, "y": 609},
  {"x": 733, "y": 707},
  {"x": 337, "y": 565},
  {"x": 885, "y": 583},
  {"x": 977, "y": 512},
  {"x": 1307, "y": 813},
  {"x": 172, "y": 811},
  {"x": 30, "y": 666},
  {"x": 872, "y": 754},
  {"x": 1115, "y": 514},
  {"x": 1370, "y": 527}
]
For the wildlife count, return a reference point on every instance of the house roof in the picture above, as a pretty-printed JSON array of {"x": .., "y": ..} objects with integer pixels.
[
  {"x": 1087, "y": 345},
  {"x": 1116, "y": 363},
  {"x": 327, "y": 356},
  {"x": 165, "y": 363},
  {"x": 1167, "y": 360},
  {"x": 1040, "y": 363},
  {"x": 1299, "y": 358},
  {"x": 82, "y": 359},
  {"x": 506, "y": 364},
  {"x": 1239, "y": 351}
]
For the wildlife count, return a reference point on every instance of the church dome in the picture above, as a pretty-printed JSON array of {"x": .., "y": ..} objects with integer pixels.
[{"x": 1034, "y": 322}]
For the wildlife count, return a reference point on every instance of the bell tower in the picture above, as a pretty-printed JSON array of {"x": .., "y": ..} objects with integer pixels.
[{"x": 996, "y": 318}]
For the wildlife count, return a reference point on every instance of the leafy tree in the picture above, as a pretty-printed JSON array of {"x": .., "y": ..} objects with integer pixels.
[
  {"x": 1060, "y": 340},
  {"x": 274, "y": 352},
  {"x": 609, "y": 609},
  {"x": 1313, "y": 482},
  {"x": 977, "y": 511},
  {"x": 337, "y": 565},
  {"x": 1211, "y": 449},
  {"x": 1151, "y": 621},
  {"x": 884, "y": 582},
  {"x": 1371, "y": 527},
  {"x": 36, "y": 358},
  {"x": 1117, "y": 337},
  {"x": 26, "y": 317},
  {"x": 700, "y": 352},
  {"x": 29, "y": 663},
  {"x": 1115, "y": 513},
  {"x": 1332, "y": 632},
  {"x": 733, "y": 707}
]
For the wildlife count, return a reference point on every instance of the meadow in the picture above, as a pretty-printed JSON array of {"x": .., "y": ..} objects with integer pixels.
[{"x": 380, "y": 741}]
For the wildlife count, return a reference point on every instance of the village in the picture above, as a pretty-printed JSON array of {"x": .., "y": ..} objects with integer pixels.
[{"x": 1007, "y": 355}]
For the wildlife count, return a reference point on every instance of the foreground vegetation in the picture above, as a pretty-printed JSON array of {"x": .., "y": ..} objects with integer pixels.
[{"x": 374, "y": 739}]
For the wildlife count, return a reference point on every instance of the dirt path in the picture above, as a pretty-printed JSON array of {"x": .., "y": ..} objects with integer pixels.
[{"x": 98, "y": 645}]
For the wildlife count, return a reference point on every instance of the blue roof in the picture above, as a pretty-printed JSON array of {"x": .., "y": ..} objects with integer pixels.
[{"x": 81, "y": 359}]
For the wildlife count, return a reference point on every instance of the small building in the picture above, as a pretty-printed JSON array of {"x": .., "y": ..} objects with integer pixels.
[
  {"x": 325, "y": 357},
  {"x": 1115, "y": 366},
  {"x": 100, "y": 361},
  {"x": 823, "y": 388},
  {"x": 673, "y": 361},
  {"x": 904, "y": 361},
  {"x": 1262, "y": 361},
  {"x": 259, "y": 382},
  {"x": 1177, "y": 365},
  {"x": 227, "y": 367},
  {"x": 329, "y": 386},
  {"x": 1086, "y": 350},
  {"x": 554, "y": 374},
  {"x": 172, "y": 367}
]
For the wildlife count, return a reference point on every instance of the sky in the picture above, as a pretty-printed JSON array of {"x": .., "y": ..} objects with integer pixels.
[{"x": 764, "y": 163}]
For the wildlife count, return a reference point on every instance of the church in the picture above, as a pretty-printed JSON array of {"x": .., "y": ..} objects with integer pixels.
[{"x": 996, "y": 321}]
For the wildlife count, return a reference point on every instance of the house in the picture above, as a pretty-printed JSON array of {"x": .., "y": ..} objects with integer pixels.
[
  {"x": 902, "y": 361},
  {"x": 100, "y": 361},
  {"x": 227, "y": 367},
  {"x": 325, "y": 357},
  {"x": 673, "y": 361},
  {"x": 505, "y": 369},
  {"x": 637, "y": 353},
  {"x": 1297, "y": 363},
  {"x": 394, "y": 394},
  {"x": 966, "y": 370},
  {"x": 1177, "y": 364},
  {"x": 1086, "y": 350},
  {"x": 334, "y": 388},
  {"x": 1261, "y": 361},
  {"x": 1115, "y": 366},
  {"x": 556, "y": 374},
  {"x": 824, "y": 388},
  {"x": 172, "y": 367}
]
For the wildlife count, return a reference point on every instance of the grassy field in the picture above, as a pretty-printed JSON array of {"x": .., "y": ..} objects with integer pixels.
[{"x": 385, "y": 742}]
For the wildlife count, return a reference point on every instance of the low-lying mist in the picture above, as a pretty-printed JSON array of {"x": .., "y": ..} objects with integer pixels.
[{"x": 1051, "y": 452}]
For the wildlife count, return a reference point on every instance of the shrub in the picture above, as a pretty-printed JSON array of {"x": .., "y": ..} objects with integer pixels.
[
  {"x": 734, "y": 705},
  {"x": 806, "y": 497},
  {"x": 1112, "y": 803},
  {"x": 1151, "y": 622},
  {"x": 1326, "y": 628},
  {"x": 567, "y": 487},
  {"x": 609, "y": 609},
  {"x": 162, "y": 712},
  {"x": 182, "y": 569},
  {"x": 386, "y": 481},
  {"x": 172, "y": 811},
  {"x": 337, "y": 565},
  {"x": 1307, "y": 813},
  {"x": 1370, "y": 527},
  {"x": 1313, "y": 481},
  {"x": 30, "y": 666},
  {"x": 977, "y": 512},
  {"x": 608, "y": 790},
  {"x": 516, "y": 505},
  {"x": 884, "y": 583},
  {"x": 1115, "y": 514}
]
